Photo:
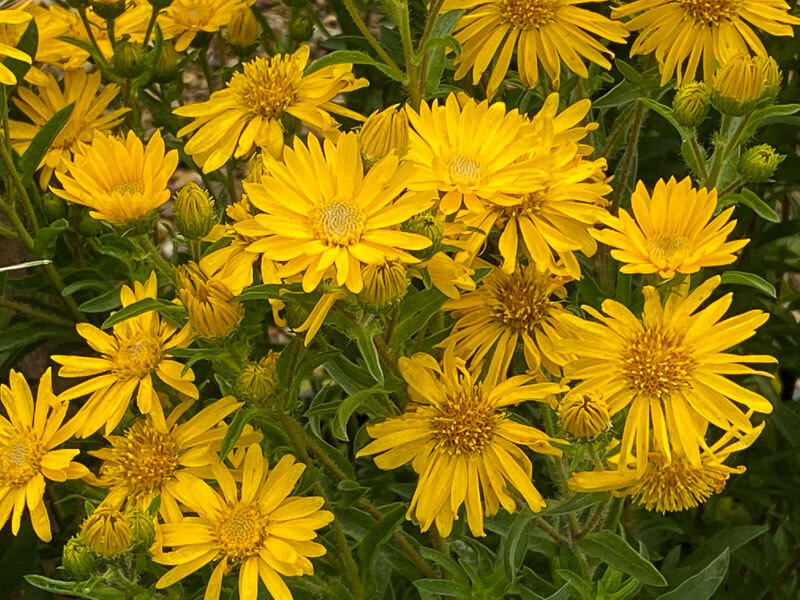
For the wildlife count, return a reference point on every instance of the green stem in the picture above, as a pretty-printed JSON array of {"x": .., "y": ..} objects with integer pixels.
[
  {"x": 150, "y": 25},
  {"x": 433, "y": 12},
  {"x": 89, "y": 33},
  {"x": 412, "y": 68},
  {"x": 16, "y": 180},
  {"x": 624, "y": 169},
  {"x": 206, "y": 69},
  {"x": 615, "y": 134},
  {"x": 738, "y": 182},
  {"x": 699, "y": 157},
  {"x": 33, "y": 312},
  {"x": 362, "y": 27},
  {"x": 145, "y": 244},
  {"x": 721, "y": 153},
  {"x": 111, "y": 35}
]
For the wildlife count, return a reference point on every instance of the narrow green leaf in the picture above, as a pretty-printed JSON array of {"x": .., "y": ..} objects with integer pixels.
[
  {"x": 91, "y": 589},
  {"x": 608, "y": 547},
  {"x": 731, "y": 538},
  {"x": 170, "y": 311},
  {"x": 44, "y": 138},
  {"x": 366, "y": 346},
  {"x": 751, "y": 280},
  {"x": 28, "y": 43},
  {"x": 102, "y": 303},
  {"x": 46, "y": 238},
  {"x": 240, "y": 418},
  {"x": 758, "y": 206},
  {"x": 450, "y": 565},
  {"x": 355, "y": 57},
  {"x": 346, "y": 409},
  {"x": 703, "y": 585},
  {"x": 577, "y": 583},
  {"x": 515, "y": 544},
  {"x": 443, "y": 587},
  {"x": 379, "y": 533},
  {"x": 575, "y": 503}
]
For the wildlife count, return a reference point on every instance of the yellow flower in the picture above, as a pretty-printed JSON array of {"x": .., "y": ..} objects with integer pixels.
[
  {"x": 144, "y": 462},
  {"x": 685, "y": 34},
  {"x": 106, "y": 531},
  {"x": 121, "y": 181},
  {"x": 384, "y": 282},
  {"x": 248, "y": 111},
  {"x": 28, "y": 454},
  {"x": 673, "y": 231},
  {"x": 259, "y": 528},
  {"x": 383, "y": 132},
  {"x": 461, "y": 442},
  {"x": 320, "y": 212},
  {"x": 584, "y": 415},
  {"x": 738, "y": 85},
  {"x": 670, "y": 367},
  {"x": 670, "y": 484},
  {"x": 209, "y": 299},
  {"x": 470, "y": 153},
  {"x": 546, "y": 32},
  {"x": 12, "y": 17},
  {"x": 89, "y": 115},
  {"x": 185, "y": 19},
  {"x": 137, "y": 349},
  {"x": 502, "y": 312}
]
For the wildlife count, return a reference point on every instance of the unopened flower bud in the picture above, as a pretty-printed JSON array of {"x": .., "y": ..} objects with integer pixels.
[
  {"x": 384, "y": 131},
  {"x": 167, "y": 64},
  {"x": 772, "y": 77},
  {"x": 88, "y": 226},
  {"x": 243, "y": 31},
  {"x": 212, "y": 306},
  {"x": 54, "y": 207},
  {"x": 78, "y": 560},
  {"x": 384, "y": 283},
  {"x": 691, "y": 103},
  {"x": 301, "y": 27},
  {"x": 738, "y": 86},
  {"x": 106, "y": 531},
  {"x": 143, "y": 531},
  {"x": 584, "y": 415},
  {"x": 258, "y": 381},
  {"x": 194, "y": 211},
  {"x": 108, "y": 9},
  {"x": 428, "y": 225},
  {"x": 758, "y": 164},
  {"x": 128, "y": 61},
  {"x": 160, "y": 4}
]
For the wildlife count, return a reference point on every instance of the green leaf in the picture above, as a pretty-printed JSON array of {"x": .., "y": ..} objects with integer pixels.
[
  {"x": 24, "y": 334},
  {"x": 575, "y": 503},
  {"x": 437, "y": 58},
  {"x": 751, "y": 280},
  {"x": 47, "y": 236},
  {"x": 578, "y": 583},
  {"x": 667, "y": 113},
  {"x": 757, "y": 205},
  {"x": 91, "y": 589},
  {"x": 28, "y": 43},
  {"x": 263, "y": 292},
  {"x": 770, "y": 115},
  {"x": 442, "y": 587},
  {"x": 450, "y": 565},
  {"x": 608, "y": 547},
  {"x": 415, "y": 312},
  {"x": 44, "y": 138},
  {"x": 103, "y": 303},
  {"x": 346, "y": 409},
  {"x": 355, "y": 57},
  {"x": 240, "y": 418},
  {"x": 731, "y": 538},
  {"x": 703, "y": 585},
  {"x": 366, "y": 346},
  {"x": 170, "y": 311},
  {"x": 515, "y": 544},
  {"x": 86, "y": 284},
  {"x": 393, "y": 516}
]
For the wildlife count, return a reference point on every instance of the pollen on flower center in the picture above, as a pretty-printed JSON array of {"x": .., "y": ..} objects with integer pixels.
[
  {"x": 337, "y": 223},
  {"x": 677, "y": 485},
  {"x": 465, "y": 170},
  {"x": 146, "y": 458},
  {"x": 128, "y": 188},
  {"x": 528, "y": 14},
  {"x": 20, "y": 456},
  {"x": 710, "y": 12},
  {"x": 267, "y": 86},
  {"x": 656, "y": 362},
  {"x": 465, "y": 423},
  {"x": 520, "y": 300},
  {"x": 666, "y": 246},
  {"x": 137, "y": 356},
  {"x": 241, "y": 531},
  {"x": 529, "y": 204}
]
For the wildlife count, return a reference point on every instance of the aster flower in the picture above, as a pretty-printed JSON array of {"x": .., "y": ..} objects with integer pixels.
[
  {"x": 669, "y": 367},
  {"x": 544, "y": 32},
  {"x": 258, "y": 528},
  {"x": 29, "y": 437},
  {"x": 459, "y": 439},
  {"x": 185, "y": 19},
  {"x": 90, "y": 114},
  {"x": 12, "y": 17},
  {"x": 136, "y": 350},
  {"x": 248, "y": 112},
  {"x": 688, "y": 34},
  {"x": 210, "y": 299}
]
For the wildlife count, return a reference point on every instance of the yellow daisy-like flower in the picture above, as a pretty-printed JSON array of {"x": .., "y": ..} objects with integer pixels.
[
  {"x": 259, "y": 528},
  {"x": 505, "y": 310},
  {"x": 685, "y": 34},
  {"x": 462, "y": 444},
  {"x": 28, "y": 441},
  {"x": 320, "y": 212},
  {"x": 209, "y": 299},
  {"x": 90, "y": 114},
  {"x": 544, "y": 32},
  {"x": 670, "y": 367},
  {"x": 185, "y": 19},
  {"x": 137, "y": 349},
  {"x": 670, "y": 484},
  {"x": 12, "y": 17},
  {"x": 144, "y": 463},
  {"x": 120, "y": 180},
  {"x": 672, "y": 231},
  {"x": 470, "y": 152},
  {"x": 248, "y": 111}
]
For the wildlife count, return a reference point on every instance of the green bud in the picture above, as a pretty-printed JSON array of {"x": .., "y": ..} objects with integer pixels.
[
  {"x": 128, "y": 59},
  {"x": 243, "y": 31},
  {"x": 691, "y": 103},
  {"x": 89, "y": 226},
  {"x": 167, "y": 64},
  {"x": 160, "y": 4},
  {"x": 258, "y": 381},
  {"x": 54, "y": 207},
  {"x": 194, "y": 211},
  {"x": 108, "y": 9},
  {"x": 301, "y": 28},
  {"x": 78, "y": 560},
  {"x": 428, "y": 225},
  {"x": 738, "y": 86},
  {"x": 772, "y": 78},
  {"x": 758, "y": 164},
  {"x": 143, "y": 531}
]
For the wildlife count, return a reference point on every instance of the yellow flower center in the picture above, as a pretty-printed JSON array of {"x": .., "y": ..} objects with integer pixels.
[
  {"x": 337, "y": 222},
  {"x": 20, "y": 455},
  {"x": 657, "y": 363},
  {"x": 241, "y": 531},
  {"x": 667, "y": 246},
  {"x": 464, "y": 423},
  {"x": 137, "y": 356},
  {"x": 673, "y": 486},
  {"x": 710, "y": 12},
  {"x": 128, "y": 188},
  {"x": 465, "y": 170},
  {"x": 267, "y": 86},
  {"x": 530, "y": 204},
  {"x": 528, "y": 14},
  {"x": 521, "y": 300},
  {"x": 145, "y": 459}
]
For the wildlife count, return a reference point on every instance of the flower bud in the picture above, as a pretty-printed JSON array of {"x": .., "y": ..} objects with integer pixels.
[
  {"x": 772, "y": 77},
  {"x": 428, "y": 225},
  {"x": 243, "y": 30},
  {"x": 212, "y": 306},
  {"x": 738, "y": 86},
  {"x": 128, "y": 59},
  {"x": 584, "y": 415},
  {"x": 78, "y": 559},
  {"x": 384, "y": 283},
  {"x": 256, "y": 169},
  {"x": 384, "y": 131},
  {"x": 106, "y": 531},
  {"x": 691, "y": 103},
  {"x": 108, "y": 9},
  {"x": 160, "y": 4},
  {"x": 758, "y": 164},
  {"x": 167, "y": 64},
  {"x": 301, "y": 27},
  {"x": 54, "y": 207},
  {"x": 258, "y": 381},
  {"x": 143, "y": 531},
  {"x": 194, "y": 211},
  {"x": 88, "y": 226}
]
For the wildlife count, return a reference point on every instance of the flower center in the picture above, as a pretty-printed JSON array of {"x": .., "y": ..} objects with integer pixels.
[
  {"x": 137, "y": 356},
  {"x": 241, "y": 531},
  {"x": 20, "y": 455},
  {"x": 667, "y": 246},
  {"x": 521, "y": 300},
  {"x": 529, "y": 204},
  {"x": 465, "y": 423},
  {"x": 127, "y": 188},
  {"x": 657, "y": 363},
  {"x": 145, "y": 458},
  {"x": 337, "y": 223},
  {"x": 268, "y": 86},
  {"x": 464, "y": 170},
  {"x": 528, "y": 14},
  {"x": 710, "y": 12},
  {"x": 673, "y": 486}
]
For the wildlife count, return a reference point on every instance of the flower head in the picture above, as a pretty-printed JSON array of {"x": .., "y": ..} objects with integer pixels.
[
  {"x": 383, "y": 132},
  {"x": 671, "y": 231},
  {"x": 12, "y": 17},
  {"x": 258, "y": 382},
  {"x": 209, "y": 299},
  {"x": 759, "y": 163},
  {"x": 738, "y": 85},
  {"x": 691, "y": 103},
  {"x": 460, "y": 441},
  {"x": 106, "y": 531},
  {"x": 384, "y": 282},
  {"x": 29, "y": 436},
  {"x": 185, "y": 19},
  {"x": 584, "y": 415}
]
